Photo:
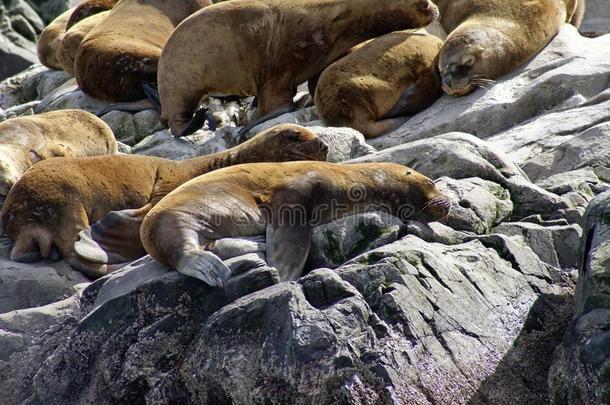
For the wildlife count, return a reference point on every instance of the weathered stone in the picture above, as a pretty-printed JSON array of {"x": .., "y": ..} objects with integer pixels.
[{"x": 581, "y": 369}]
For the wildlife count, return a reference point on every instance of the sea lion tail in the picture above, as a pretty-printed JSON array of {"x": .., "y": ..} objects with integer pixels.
[
  {"x": 205, "y": 266},
  {"x": 199, "y": 119},
  {"x": 33, "y": 245}
]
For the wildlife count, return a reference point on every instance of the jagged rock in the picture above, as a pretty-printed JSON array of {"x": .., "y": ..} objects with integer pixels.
[
  {"x": 531, "y": 111},
  {"x": 597, "y": 18},
  {"x": 163, "y": 144},
  {"x": 589, "y": 148},
  {"x": 26, "y": 286},
  {"x": 132, "y": 128},
  {"x": 477, "y": 205},
  {"x": 409, "y": 322},
  {"x": 460, "y": 156},
  {"x": 335, "y": 243},
  {"x": 306, "y": 117},
  {"x": 343, "y": 143},
  {"x": 49, "y": 9},
  {"x": 556, "y": 245},
  {"x": 581, "y": 369}
]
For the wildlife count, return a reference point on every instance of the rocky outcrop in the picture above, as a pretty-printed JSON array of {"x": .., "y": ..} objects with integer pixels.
[{"x": 581, "y": 370}]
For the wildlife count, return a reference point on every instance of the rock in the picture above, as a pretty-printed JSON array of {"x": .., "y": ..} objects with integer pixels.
[
  {"x": 335, "y": 243},
  {"x": 580, "y": 186},
  {"x": 132, "y": 128},
  {"x": 477, "y": 205},
  {"x": 49, "y": 9},
  {"x": 306, "y": 117},
  {"x": 587, "y": 149},
  {"x": 343, "y": 143},
  {"x": 163, "y": 144},
  {"x": 26, "y": 286},
  {"x": 556, "y": 245},
  {"x": 460, "y": 156},
  {"x": 581, "y": 367},
  {"x": 597, "y": 19}
]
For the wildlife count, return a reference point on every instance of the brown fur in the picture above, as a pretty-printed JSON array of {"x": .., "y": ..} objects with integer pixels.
[
  {"x": 575, "y": 10},
  {"x": 26, "y": 140},
  {"x": 252, "y": 199},
  {"x": 490, "y": 38},
  {"x": 123, "y": 51},
  {"x": 50, "y": 40},
  {"x": 365, "y": 89},
  {"x": 72, "y": 39},
  {"x": 61, "y": 197},
  {"x": 88, "y": 8},
  {"x": 268, "y": 47}
]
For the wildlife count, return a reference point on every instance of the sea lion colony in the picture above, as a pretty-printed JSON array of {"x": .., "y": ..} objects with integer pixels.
[{"x": 366, "y": 71}]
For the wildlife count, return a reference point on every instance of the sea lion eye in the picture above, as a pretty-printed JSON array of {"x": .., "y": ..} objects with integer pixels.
[
  {"x": 468, "y": 61},
  {"x": 293, "y": 136}
]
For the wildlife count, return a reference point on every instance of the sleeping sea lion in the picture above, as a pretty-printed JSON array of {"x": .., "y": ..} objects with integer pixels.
[
  {"x": 71, "y": 40},
  {"x": 281, "y": 201},
  {"x": 89, "y": 8},
  {"x": 375, "y": 87},
  {"x": 488, "y": 39},
  {"x": 30, "y": 139},
  {"x": 58, "y": 198},
  {"x": 119, "y": 55},
  {"x": 50, "y": 39},
  {"x": 267, "y": 48}
]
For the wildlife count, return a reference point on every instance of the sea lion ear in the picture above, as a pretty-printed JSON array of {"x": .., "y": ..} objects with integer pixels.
[
  {"x": 478, "y": 50},
  {"x": 35, "y": 157}
]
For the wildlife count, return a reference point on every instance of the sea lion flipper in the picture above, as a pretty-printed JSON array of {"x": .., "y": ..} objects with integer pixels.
[
  {"x": 151, "y": 92},
  {"x": 113, "y": 239},
  {"x": 205, "y": 266},
  {"x": 288, "y": 248}
]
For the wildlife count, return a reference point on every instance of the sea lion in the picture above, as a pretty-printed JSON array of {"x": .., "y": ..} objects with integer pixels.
[
  {"x": 282, "y": 201},
  {"x": 376, "y": 86},
  {"x": 50, "y": 39},
  {"x": 89, "y": 8},
  {"x": 575, "y": 11},
  {"x": 71, "y": 40},
  {"x": 30, "y": 139},
  {"x": 58, "y": 198},
  {"x": 488, "y": 39},
  {"x": 122, "y": 52},
  {"x": 266, "y": 48}
]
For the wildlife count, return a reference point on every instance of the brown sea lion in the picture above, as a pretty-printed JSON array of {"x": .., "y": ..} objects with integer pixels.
[
  {"x": 89, "y": 8},
  {"x": 50, "y": 39},
  {"x": 59, "y": 198},
  {"x": 375, "y": 87},
  {"x": 274, "y": 46},
  {"x": 30, "y": 139},
  {"x": 575, "y": 11},
  {"x": 122, "y": 52},
  {"x": 488, "y": 39},
  {"x": 282, "y": 201},
  {"x": 66, "y": 52}
]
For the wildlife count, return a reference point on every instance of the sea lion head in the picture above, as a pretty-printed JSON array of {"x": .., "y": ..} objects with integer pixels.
[
  {"x": 14, "y": 162},
  {"x": 420, "y": 13},
  {"x": 415, "y": 197},
  {"x": 462, "y": 67},
  {"x": 290, "y": 142}
]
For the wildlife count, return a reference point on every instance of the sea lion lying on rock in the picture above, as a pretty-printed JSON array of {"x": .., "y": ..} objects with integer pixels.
[
  {"x": 50, "y": 40},
  {"x": 71, "y": 40},
  {"x": 89, "y": 8},
  {"x": 282, "y": 201},
  {"x": 376, "y": 86},
  {"x": 30, "y": 139},
  {"x": 121, "y": 53},
  {"x": 59, "y": 198},
  {"x": 488, "y": 39},
  {"x": 267, "y": 48}
]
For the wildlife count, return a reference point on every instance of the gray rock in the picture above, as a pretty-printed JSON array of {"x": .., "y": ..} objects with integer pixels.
[
  {"x": 555, "y": 245},
  {"x": 581, "y": 368},
  {"x": 163, "y": 144},
  {"x": 49, "y": 9},
  {"x": 477, "y": 205},
  {"x": 343, "y": 143},
  {"x": 335, "y": 243},
  {"x": 132, "y": 128},
  {"x": 25, "y": 286},
  {"x": 590, "y": 148},
  {"x": 306, "y": 117},
  {"x": 460, "y": 156}
]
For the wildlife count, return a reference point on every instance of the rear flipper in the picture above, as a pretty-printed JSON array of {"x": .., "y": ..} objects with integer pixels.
[
  {"x": 205, "y": 266},
  {"x": 151, "y": 91},
  {"x": 114, "y": 238},
  {"x": 227, "y": 248},
  {"x": 33, "y": 245},
  {"x": 288, "y": 248},
  {"x": 199, "y": 119},
  {"x": 241, "y": 264}
]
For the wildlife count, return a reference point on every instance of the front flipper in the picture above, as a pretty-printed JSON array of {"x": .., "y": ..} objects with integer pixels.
[
  {"x": 288, "y": 248},
  {"x": 241, "y": 264},
  {"x": 199, "y": 119},
  {"x": 114, "y": 238},
  {"x": 228, "y": 248},
  {"x": 205, "y": 266}
]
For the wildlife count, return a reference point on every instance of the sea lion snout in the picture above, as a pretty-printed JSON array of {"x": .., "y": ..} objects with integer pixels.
[{"x": 437, "y": 209}]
